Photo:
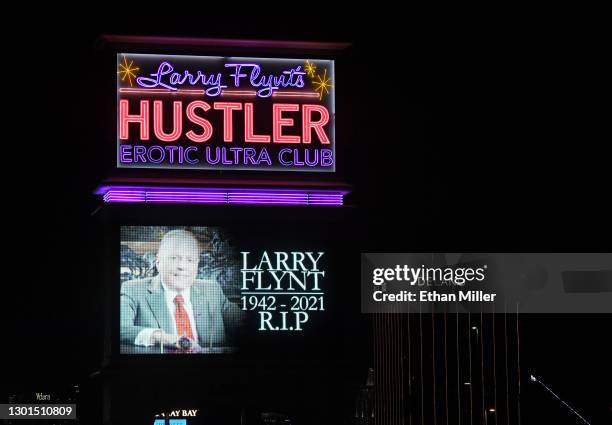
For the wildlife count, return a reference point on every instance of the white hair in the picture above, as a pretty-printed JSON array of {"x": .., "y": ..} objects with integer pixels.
[{"x": 177, "y": 234}]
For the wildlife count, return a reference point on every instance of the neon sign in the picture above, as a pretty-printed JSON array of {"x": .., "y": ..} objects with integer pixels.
[{"x": 203, "y": 112}]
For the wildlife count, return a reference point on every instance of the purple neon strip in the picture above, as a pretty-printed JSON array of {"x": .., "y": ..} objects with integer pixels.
[
  {"x": 266, "y": 195},
  {"x": 325, "y": 203},
  {"x": 212, "y": 195},
  {"x": 182, "y": 201},
  {"x": 125, "y": 196},
  {"x": 265, "y": 202},
  {"x": 179, "y": 195},
  {"x": 269, "y": 201},
  {"x": 247, "y": 200},
  {"x": 317, "y": 201},
  {"x": 218, "y": 201},
  {"x": 256, "y": 199},
  {"x": 203, "y": 201},
  {"x": 132, "y": 189},
  {"x": 185, "y": 195},
  {"x": 128, "y": 193},
  {"x": 212, "y": 198},
  {"x": 139, "y": 199},
  {"x": 222, "y": 196},
  {"x": 120, "y": 199}
]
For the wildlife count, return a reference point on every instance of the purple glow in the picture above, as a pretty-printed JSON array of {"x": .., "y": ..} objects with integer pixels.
[{"x": 242, "y": 196}]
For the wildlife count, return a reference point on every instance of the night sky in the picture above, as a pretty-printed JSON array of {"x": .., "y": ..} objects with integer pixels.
[{"x": 475, "y": 129}]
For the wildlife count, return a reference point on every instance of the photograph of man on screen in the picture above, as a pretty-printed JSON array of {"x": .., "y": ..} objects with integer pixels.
[{"x": 174, "y": 311}]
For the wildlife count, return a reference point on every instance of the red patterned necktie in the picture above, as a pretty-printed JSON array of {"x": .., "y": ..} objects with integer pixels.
[{"x": 183, "y": 326}]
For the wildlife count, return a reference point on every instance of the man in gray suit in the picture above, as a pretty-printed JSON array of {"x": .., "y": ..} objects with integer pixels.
[{"x": 174, "y": 305}]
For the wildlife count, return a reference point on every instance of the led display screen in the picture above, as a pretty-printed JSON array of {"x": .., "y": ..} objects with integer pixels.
[{"x": 217, "y": 290}]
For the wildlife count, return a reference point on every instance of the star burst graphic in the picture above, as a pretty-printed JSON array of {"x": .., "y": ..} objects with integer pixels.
[
  {"x": 127, "y": 70},
  {"x": 310, "y": 69},
  {"x": 322, "y": 84}
]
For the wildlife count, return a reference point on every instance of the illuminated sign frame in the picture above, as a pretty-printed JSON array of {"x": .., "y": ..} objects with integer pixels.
[{"x": 225, "y": 113}]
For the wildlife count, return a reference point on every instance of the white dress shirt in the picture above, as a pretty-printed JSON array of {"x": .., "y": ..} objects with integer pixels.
[{"x": 145, "y": 336}]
